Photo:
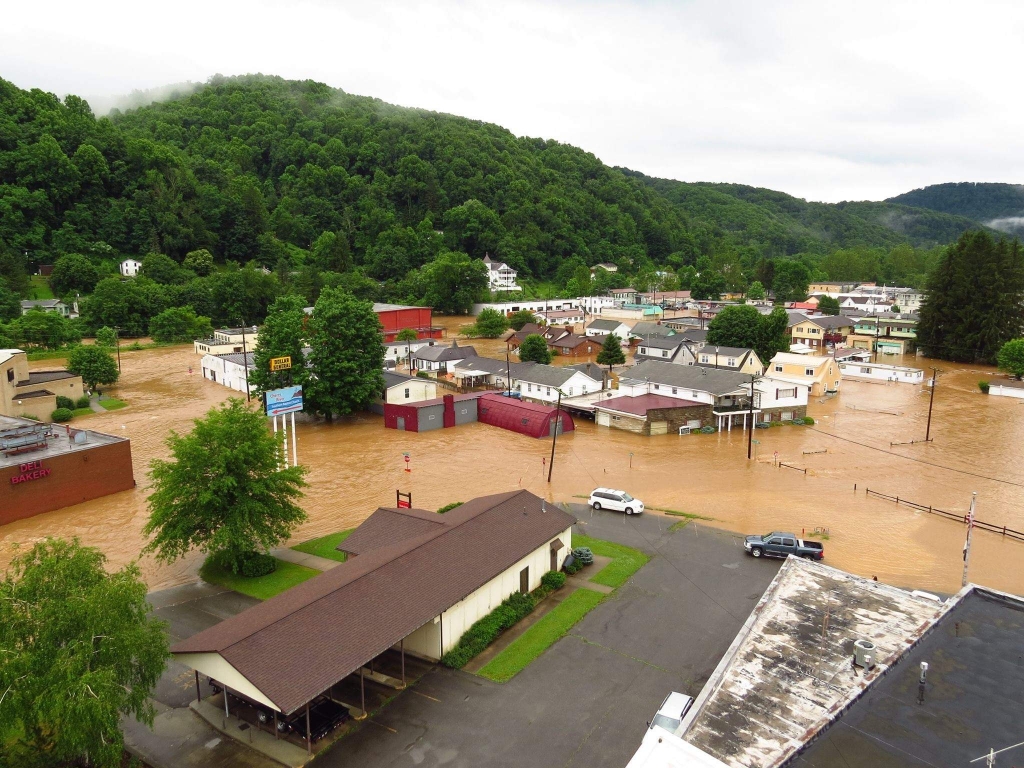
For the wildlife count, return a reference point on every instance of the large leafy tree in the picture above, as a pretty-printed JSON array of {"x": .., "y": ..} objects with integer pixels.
[
  {"x": 94, "y": 364},
  {"x": 534, "y": 349},
  {"x": 790, "y": 280},
  {"x": 346, "y": 355},
  {"x": 73, "y": 272},
  {"x": 611, "y": 352},
  {"x": 975, "y": 300},
  {"x": 453, "y": 282},
  {"x": 283, "y": 334},
  {"x": 517, "y": 320},
  {"x": 79, "y": 652},
  {"x": 743, "y": 326},
  {"x": 49, "y": 330},
  {"x": 490, "y": 323},
  {"x": 223, "y": 490},
  {"x": 179, "y": 324},
  {"x": 828, "y": 305}
]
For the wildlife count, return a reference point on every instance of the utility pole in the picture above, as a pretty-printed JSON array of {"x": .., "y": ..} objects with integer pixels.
[
  {"x": 967, "y": 545},
  {"x": 245, "y": 363},
  {"x": 931, "y": 400},
  {"x": 554, "y": 434},
  {"x": 117, "y": 342},
  {"x": 750, "y": 427},
  {"x": 508, "y": 371}
]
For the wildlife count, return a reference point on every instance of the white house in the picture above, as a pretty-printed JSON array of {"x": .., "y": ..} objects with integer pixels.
[
  {"x": 228, "y": 369},
  {"x": 596, "y": 305},
  {"x": 500, "y": 276},
  {"x": 669, "y": 349},
  {"x": 853, "y": 369},
  {"x": 398, "y": 351},
  {"x": 1006, "y": 388},
  {"x": 870, "y": 304},
  {"x": 407, "y": 389},
  {"x": 487, "y": 371},
  {"x": 440, "y": 360},
  {"x": 604, "y": 327},
  {"x": 542, "y": 382},
  {"x": 130, "y": 267},
  {"x": 49, "y": 305},
  {"x": 532, "y": 305}
]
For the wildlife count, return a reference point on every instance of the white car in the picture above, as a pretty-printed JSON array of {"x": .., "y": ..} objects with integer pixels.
[
  {"x": 617, "y": 501},
  {"x": 671, "y": 713}
]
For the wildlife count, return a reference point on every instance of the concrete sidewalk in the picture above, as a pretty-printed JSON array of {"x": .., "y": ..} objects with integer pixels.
[{"x": 315, "y": 562}]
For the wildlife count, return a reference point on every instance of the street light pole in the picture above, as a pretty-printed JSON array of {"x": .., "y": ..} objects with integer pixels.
[
  {"x": 508, "y": 370},
  {"x": 554, "y": 434},
  {"x": 245, "y": 363},
  {"x": 931, "y": 400},
  {"x": 967, "y": 545},
  {"x": 750, "y": 427}
]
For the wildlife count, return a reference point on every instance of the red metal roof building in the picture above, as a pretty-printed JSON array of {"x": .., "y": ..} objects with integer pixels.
[
  {"x": 395, "y": 317},
  {"x": 533, "y": 419}
]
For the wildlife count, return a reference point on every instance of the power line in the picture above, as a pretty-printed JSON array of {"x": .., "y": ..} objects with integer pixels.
[{"x": 919, "y": 461}]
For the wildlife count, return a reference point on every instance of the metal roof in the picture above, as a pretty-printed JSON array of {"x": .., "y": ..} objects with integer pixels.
[
  {"x": 550, "y": 375},
  {"x": 696, "y": 378}
]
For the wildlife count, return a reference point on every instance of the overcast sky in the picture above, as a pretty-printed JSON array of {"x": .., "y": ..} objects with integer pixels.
[{"x": 824, "y": 100}]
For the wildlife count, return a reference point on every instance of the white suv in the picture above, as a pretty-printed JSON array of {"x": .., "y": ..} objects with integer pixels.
[{"x": 618, "y": 501}]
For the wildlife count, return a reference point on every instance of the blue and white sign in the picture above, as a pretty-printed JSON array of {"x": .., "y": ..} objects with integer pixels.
[{"x": 287, "y": 400}]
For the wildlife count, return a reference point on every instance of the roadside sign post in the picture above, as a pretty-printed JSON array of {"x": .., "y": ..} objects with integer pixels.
[
  {"x": 407, "y": 460},
  {"x": 281, "y": 402},
  {"x": 280, "y": 364},
  {"x": 967, "y": 544}
]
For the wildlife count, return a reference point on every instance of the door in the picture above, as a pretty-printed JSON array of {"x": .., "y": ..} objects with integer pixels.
[
  {"x": 554, "y": 560},
  {"x": 604, "y": 419},
  {"x": 524, "y": 580},
  {"x": 774, "y": 546},
  {"x": 400, "y": 423}
]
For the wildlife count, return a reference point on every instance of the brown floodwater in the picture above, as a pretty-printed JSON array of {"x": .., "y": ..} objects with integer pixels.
[{"x": 356, "y": 465}]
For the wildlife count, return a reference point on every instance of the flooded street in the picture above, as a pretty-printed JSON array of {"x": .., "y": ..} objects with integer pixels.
[{"x": 356, "y": 465}]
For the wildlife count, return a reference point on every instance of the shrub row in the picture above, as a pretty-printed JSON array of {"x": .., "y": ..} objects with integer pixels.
[
  {"x": 484, "y": 631},
  {"x": 449, "y": 507},
  {"x": 256, "y": 564}
]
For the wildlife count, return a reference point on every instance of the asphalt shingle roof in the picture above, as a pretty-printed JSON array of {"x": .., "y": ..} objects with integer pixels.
[{"x": 693, "y": 377}]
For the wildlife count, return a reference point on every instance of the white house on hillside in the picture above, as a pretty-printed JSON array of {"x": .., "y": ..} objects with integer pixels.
[
  {"x": 500, "y": 276},
  {"x": 130, "y": 267}
]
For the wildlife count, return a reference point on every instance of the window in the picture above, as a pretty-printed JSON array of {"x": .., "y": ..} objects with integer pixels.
[
  {"x": 815, "y": 330},
  {"x": 694, "y": 394},
  {"x": 407, "y": 392},
  {"x": 570, "y": 391},
  {"x": 657, "y": 386},
  {"x": 787, "y": 415},
  {"x": 808, "y": 371},
  {"x": 781, "y": 393},
  {"x": 731, "y": 362},
  {"x": 865, "y": 370},
  {"x": 529, "y": 387},
  {"x": 703, "y": 358},
  {"x": 674, "y": 392},
  {"x": 549, "y": 391},
  {"x": 788, "y": 543},
  {"x": 10, "y": 374},
  {"x": 778, "y": 369},
  {"x": 664, "y": 353}
]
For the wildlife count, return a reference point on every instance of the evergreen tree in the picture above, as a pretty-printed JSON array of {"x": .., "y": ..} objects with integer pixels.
[
  {"x": 346, "y": 356},
  {"x": 974, "y": 300},
  {"x": 611, "y": 352}
]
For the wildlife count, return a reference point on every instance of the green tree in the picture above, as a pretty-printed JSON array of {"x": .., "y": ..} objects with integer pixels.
[
  {"x": 743, "y": 326},
  {"x": 709, "y": 282},
  {"x": 49, "y": 330},
  {"x": 534, "y": 348},
  {"x": 346, "y": 355},
  {"x": 517, "y": 320},
  {"x": 756, "y": 291},
  {"x": 199, "y": 261},
  {"x": 283, "y": 334},
  {"x": 611, "y": 352},
  {"x": 490, "y": 323},
  {"x": 1011, "y": 358},
  {"x": 71, "y": 273},
  {"x": 80, "y": 651},
  {"x": 975, "y": 300},
  {"x": 106, "y": 337},
  {"x": 128, "y": 305},
  {"x": 94, "y": 364},
  {"x": 179, "y": 324},
  {"x": 790, "y": 280},
  {"x": 407, "y": 335},
  {"x": 223, "y": 490},
  {"x": 452, "y": 282},
  {"x": 828, "y": 305},
  {"x": 10, "y": 304},
  {"x": 771, "y": 337},
  {"x": 163, "y": 269}
]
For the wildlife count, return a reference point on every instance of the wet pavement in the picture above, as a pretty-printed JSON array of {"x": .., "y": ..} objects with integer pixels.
[{"x": 356, "y": 465}]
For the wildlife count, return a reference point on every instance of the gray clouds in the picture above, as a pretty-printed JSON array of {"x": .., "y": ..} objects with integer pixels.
[{"x": 827, "y": 101}]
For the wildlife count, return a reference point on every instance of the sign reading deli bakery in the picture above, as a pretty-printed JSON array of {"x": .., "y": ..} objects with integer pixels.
[{"x": 34, "y": 470}]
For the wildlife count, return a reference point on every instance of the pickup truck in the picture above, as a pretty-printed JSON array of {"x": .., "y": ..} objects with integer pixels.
[{"x": 779, "y": 544}]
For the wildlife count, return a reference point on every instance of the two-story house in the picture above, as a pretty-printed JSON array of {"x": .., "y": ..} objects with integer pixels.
[
  {"x": 820, "y": 332},
  {"x": 730, "y": 358},
  {"x": 820, "y": 374},
  {"x": 228, "y": 340},
  {"x": 887, "y": 333},
  {"x": 440, "y": 360},
  {"x": 500, "y": 276},
  {"x": 543, "y": 382},
  {"x": 130, "y": 267}
]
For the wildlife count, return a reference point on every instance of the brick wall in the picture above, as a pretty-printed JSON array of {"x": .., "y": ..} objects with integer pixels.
[{"x": 73, "y": 478}]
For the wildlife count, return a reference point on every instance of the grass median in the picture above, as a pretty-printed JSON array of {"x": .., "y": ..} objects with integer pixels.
[
  {"x": 325, "y": 546},
  {"x": 542, "y": 635},
  {"x": 625, "y": 560},
  {"x": 285, "y": 577}
]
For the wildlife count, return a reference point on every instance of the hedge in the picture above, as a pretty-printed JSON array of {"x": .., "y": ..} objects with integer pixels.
[
  {"x": 62, "y": 414},
  {"x": 255, "y": 564},
  {"x": 449, "y": 507},
  {"x": 65, "y": 402},
  {"x": 553, "y": 580}
]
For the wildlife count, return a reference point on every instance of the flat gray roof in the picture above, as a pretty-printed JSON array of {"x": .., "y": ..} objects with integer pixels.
[{"x": 56, "y": 445}]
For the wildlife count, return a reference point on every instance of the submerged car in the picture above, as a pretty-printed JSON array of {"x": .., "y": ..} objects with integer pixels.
[{"x": 617, "y": 501}]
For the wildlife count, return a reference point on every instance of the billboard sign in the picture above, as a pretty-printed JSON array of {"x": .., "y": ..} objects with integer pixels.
[
  {"x": 286, "y": 400},
  {"x": 280, "y": 363}
]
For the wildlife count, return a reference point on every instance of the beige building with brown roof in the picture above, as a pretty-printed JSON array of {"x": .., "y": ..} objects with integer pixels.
[{"x": 33, "y": 394}]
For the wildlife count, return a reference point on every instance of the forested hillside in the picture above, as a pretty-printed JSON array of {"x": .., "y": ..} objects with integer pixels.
[
  {"x": 1000, "y": 206},
  {"x": 321, "y": 188}
]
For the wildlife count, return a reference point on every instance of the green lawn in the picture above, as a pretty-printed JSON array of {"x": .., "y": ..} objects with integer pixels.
[
  {"x": 40, "y": 287},
  {"x": 82, "y": 412},
  {"x": 542, "y": 635},
  {"x": 112, "y": 403},
  {"x": 325, "y": 546},
  {"x": 625, "y": 560},
  {"x": 285, "y": 577}
]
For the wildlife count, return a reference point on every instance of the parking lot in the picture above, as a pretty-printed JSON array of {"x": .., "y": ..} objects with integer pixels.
[{"x": 587, "y": 700}]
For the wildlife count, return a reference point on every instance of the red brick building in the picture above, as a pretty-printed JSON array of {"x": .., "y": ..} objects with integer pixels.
[
  {"x": 396, "y": 317},
  {"x": 44, "y": 467}
]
